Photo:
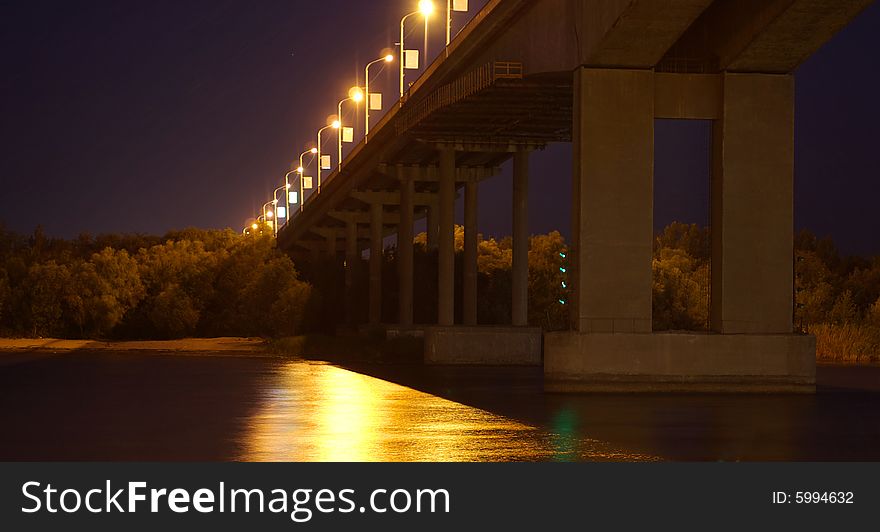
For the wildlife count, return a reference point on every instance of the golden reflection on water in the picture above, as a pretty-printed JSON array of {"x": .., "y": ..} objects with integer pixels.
[{"x": 319, "y": 412}]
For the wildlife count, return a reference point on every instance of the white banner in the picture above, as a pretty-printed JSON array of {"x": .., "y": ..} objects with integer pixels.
[{"x": 411, "y": 59}]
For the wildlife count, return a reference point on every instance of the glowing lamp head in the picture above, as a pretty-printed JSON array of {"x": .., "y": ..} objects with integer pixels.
[
  {"x": 336, "y": 124},
  {"x": 313, "y": 151},
  {"x": 269, "y": 214},
  {"x": 287, "y": 185},
  {"x": 426, "y": 7},
  {"x": 389, "y": 58},
  {"x": 300, "y": 170},
  {"x": 356, "y": 94},
  {"x": 255, "y": 226}
]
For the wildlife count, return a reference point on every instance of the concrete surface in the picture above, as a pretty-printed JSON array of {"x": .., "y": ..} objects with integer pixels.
[
  {"x": 488, "y": 346},
  {"x": 679, "y": 362}
]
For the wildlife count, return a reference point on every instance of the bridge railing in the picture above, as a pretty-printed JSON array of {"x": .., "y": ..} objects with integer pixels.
[{"x": 469, "y": 84}]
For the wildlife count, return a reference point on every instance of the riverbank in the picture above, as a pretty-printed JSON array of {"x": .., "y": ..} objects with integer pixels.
[
  {"x": 227, "y": 345},
  {"x": 331, "y": 348}
]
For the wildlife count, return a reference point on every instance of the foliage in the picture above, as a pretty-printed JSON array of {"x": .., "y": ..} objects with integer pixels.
[
  {"x": 681, "y": 278},
  {"x": 186, "y": 283}
]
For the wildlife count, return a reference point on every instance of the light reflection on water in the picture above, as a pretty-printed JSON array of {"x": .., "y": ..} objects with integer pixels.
[{"x": 320, "y": 412}]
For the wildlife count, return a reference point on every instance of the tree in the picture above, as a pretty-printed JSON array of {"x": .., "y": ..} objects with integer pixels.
[
  {"x": 273, "y": 302},
  {"x": 173, "y": 313},
  {"x": 44, "y": 296},
  {"x": 5, "y": 297},
  {"x": 546, "y": 258},
  {"x": 680, "y": 291},
  {"x": 105, "y": 289}
]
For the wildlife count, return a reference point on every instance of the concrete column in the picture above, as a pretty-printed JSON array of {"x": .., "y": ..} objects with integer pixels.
[
  {"x": 351, "y": 260},
  {"x": 405, "y": 250},
  {"x": 376, "y": 250},
  {"x": 612, "y": 194},
  {"x": 433, "y": 226},
  {"x": 446, "y": 240},
  {"x": 520, "y": 270},
  {"x": 752, "y": 206},
  {"x": 471, "y": 202}
]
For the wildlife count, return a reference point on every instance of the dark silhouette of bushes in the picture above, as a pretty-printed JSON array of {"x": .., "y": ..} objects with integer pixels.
[{"x": 186, "y": 283}]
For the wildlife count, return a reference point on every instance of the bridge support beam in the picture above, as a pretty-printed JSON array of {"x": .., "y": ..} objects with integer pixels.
[
  {"x": 613, "y": 200},
  {"x": 469, "y": 281},
  {"x": 376, "y": 259},
  {"x": 520, "y": 267},
  {"x": 446, "y": 239},
  {"x": 405, "y": 249},
  {"x": 432, "y": 222},
  {"x": 351, "y": 260},
  {"x": 753, "y": 206}
]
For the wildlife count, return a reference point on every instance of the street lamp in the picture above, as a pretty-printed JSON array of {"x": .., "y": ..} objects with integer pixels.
[
  {"x": 387, "y": 59},
  {"x": 336, "y": 124},
  {"x": 356, "y": 95},
  {"x": 268, "y": 215},
  {"x": 300, "y": 169},
  {"x": 426, "y": 7},
  {"x": 278, "y": 215}
]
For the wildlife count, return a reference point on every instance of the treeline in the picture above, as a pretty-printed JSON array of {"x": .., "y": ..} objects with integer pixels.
[
  {"x": 219, "y": 283},
  {"x": 187, "y": 283}
]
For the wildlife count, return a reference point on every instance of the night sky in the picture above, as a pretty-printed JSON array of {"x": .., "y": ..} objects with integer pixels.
[{"x": 151, "y": 116}]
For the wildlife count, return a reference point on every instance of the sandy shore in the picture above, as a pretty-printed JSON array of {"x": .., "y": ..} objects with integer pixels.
[{"x": 188, "y": 345}]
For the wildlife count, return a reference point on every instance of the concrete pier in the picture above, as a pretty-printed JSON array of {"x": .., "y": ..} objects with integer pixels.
[
  {"x": 405, "y": 251},
  {"x": 376, "y": 259},
  {"x": 483, "y": 346},
  {"x": 520, "y": 269},
  {"x": 446, "y": 239},
  {"x": 753, "y": 206},
  {"x": 469, "y": 281},
  {"x": 611, "y": 347},
  {"x": 351, "y": 261}
]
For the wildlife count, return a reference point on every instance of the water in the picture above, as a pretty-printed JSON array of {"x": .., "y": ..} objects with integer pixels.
[{"x": 151, "y": 407}]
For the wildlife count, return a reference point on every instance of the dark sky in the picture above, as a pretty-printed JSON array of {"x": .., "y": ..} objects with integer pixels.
[{"x": 149, "y": 116}]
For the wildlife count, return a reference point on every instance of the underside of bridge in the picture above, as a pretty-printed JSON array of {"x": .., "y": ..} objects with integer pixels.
[{"x": 596, "y": 73}]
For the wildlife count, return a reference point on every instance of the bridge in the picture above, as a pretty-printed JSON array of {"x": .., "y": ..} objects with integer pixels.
[{"x": 596, "y": 73}]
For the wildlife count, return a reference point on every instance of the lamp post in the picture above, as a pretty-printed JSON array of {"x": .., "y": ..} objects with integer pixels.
[
  {"x": 300, "y": 170},
  {"x": 285, "y": 188},
  {"x": 269, "y": 215},
  {"x": 387, "y": 59},
  {"x": 336, "y": 124},
  {"x": 426, "y": 7},
  {"x": 288, "y": 186},
  {"x": 356, "y": 95}
]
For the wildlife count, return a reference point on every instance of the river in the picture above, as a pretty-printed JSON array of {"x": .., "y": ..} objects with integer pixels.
[{"x": 100, "y": 406}]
